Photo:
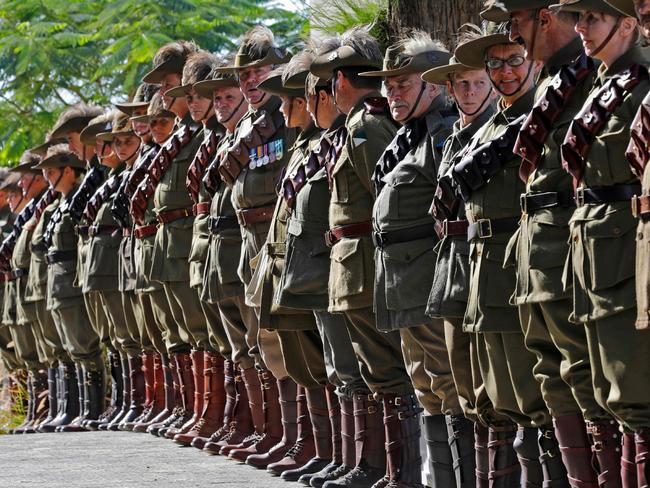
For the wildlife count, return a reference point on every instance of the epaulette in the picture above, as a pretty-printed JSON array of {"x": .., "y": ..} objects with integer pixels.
[{"x": 377, "y": 106}]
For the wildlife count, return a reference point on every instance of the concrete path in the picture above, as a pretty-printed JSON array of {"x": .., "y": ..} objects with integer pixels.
[{"x": 119, "y": 460}]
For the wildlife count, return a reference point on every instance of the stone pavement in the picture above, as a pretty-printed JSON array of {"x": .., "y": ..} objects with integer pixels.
[{"x": 119, "y": 460}]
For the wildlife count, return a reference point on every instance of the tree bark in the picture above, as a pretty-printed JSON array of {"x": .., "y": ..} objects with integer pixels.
[{"x": 441, "y": 18}]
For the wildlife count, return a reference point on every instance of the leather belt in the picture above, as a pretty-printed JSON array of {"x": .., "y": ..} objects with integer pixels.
[
  {"x": 250, "y": 216},
  {"x": 531, "y": 202},
  {"x": 201, "y": 208},
  {"x": 82, "y": 230},
  {"x": 641, "y": 206},
  {"x": 59, "y": 256},
  {"x": 15, "y": 274},
  {"x": 453, "y": 228},
  {"x": 607, "y": 194},
  {"x": 126, "y": 232},
  {"x": 486, "y": 228},
  {"x": 144, "y": 231},
  {"x": 95, "y": 230},
  {"x": 217, "y": 224},
  {"x": 384, "y": 239},
  {"x": 335, "y": 234},
  {"x": 172, "y": 215}
]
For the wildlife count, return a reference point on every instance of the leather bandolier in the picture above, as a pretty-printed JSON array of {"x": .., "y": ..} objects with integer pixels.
[
  {"x": 638, "y": 151},
  {"x": 292, "y": 184},
  {"x": 339, "y": 137},
  {"x": 539, "y": 123},
  {"x": 200, "y": 164},
  {"x": 238, "y": 156},
  {"x": 474, "y": 171},
  {"x": 591, "y": 120},
  {"x": 101, "y": 196},
  {"x": 48, "y": 235},
  {"x": 406, "y": 139},
  {"x": 89, "y": 185},
  {"x": 129, "y": 184},
  {"x": 157, "y": 169},
  {"x": 34, "y": 208}
]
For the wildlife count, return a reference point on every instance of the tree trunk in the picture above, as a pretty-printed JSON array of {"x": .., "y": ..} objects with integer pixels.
[{"x": 441, "y": 18}]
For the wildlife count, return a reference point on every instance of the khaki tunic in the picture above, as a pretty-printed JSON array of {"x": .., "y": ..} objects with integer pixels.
[{"x": 602, "y": 266}]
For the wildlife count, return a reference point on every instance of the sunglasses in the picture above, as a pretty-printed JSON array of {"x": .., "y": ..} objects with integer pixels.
[{"x": 498, "y": 63}]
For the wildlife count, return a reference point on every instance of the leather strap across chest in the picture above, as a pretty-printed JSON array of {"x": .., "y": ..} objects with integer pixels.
[
  {"x": 638, "y": 151},
  {"x": 200, "y": 163}
]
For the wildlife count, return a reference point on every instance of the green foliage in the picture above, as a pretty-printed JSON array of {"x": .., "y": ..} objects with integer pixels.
[
  {"x": 13, "y": 410},
  {"x": 55, "y": 53}
]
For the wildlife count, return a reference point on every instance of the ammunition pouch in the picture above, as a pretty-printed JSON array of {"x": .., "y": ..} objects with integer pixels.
[
  {"x": 638, "y": 151},
  {"x": 593, "y": 118},
  {"x": 445, "y": 201}
]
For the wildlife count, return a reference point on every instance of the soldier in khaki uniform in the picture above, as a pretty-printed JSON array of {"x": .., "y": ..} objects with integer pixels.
[
  {"x": 638, "y": 154},
  {"x": 405, "y": 179},
  {"x": 472, "y": 93},
  {"x": 368, "y": 131},
  {"x": 28, "y": 342},
  {"x": 303, "y": 284},
  {"x": 302, "y": 348},
  {"x": 156, "y": 313},
  {"x": 65, "y": 301},
  {"x": 172, "y": 207},
  {"x": 260, "y": 149},
  {"x": 491, "y": 191},
  {"x": 197, "y": 68},
  {"x": 221, "y": 283},
  {"x": 562, "y": 367},
  {"x": 602, "y": 226},
  {"x": 36, "y": 196}
]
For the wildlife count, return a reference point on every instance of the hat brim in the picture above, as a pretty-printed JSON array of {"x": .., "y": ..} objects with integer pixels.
[
  {"x": 56, "y": 162},
  {"x": 149, "y": 117},
  {"x": 89, "y": 134},
  {"x": 130, "y": 107},
  {"x": 472, "y": 53},
  {"x": 273, "y": 57},
  {"x": 171, "y": 66},
  {"x": 75, "y": 124},
  {"x": 24, "y": 168},
  {"x": 591, "y": 5},
  {"x": 110, "y": 136},
  {"x": 206, "y": 88},
  {"x": 178, "y": 91},
  {"x": 495, "y": 14},
  {"x": 41, "y": 149},
  {"x": 273, "y": 86},
  {"x": 441, "y": 74}
]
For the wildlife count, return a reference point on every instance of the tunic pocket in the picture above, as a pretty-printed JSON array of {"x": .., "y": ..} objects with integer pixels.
[
  {"x": 500, "y": 283},
  {"x": 347, "y": 268},
  {"x": 179, "y": 238},
  {"x": 307, "y": 263},
  {"x": 409, "y": 270},
  {"x": 458, "y": 278}
]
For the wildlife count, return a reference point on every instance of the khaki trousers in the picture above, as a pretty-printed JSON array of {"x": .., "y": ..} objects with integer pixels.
[
  {"x": 186, "y": 309},
  {"x": 302, "y": 351},
  {"x": 77, "y": 335},
  {"x": 241, "y": 328}
]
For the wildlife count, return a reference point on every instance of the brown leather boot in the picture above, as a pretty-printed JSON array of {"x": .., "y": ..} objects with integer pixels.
[
  {"x": 52, "y": 399},
  {"x": 287, "y": 391},
  {"x": 461, "y": 444},
  {"x": 242, "y": 424},
  {"x": 30, "y": 418},
  {"x": 136, "y": 379},
  {"x": 40, "y": 404},
  {"x": 441, "y": 462},
  {"x": 369, "y": 439},
  {"x": 628, "y": 461},
  {"x": 402, "y": 428},
  {"x": 571, "y": 434},
  {"x": 176, "y": 399},
  {"x": 322, "y": 434},
  {"x": 149, "y": 378},
  {"x": 642, "y": 439},
  {"x": 163, "y": 393},
  {"x": 198, "y": 375},
  {"x": 58, "y": 377},
  {"x": 481, "y": 434},
  {"x": 303, "y": 450},
  {"x": 504, "y": 467},
  {"x": 126, "y": 396},
  {"x": 157, "y": 395},
  {"x": 77, "y": 385},
  {"x": 336, "y": 460},
  {"x": 228, "y": 410},
  {"x": 95, "y": 394},
  {"x": 186, "y": 383},
  {"x": 606, "y": 445},
  {"x": 266, "y": 417},
  {"x": 214, "y": 400},
  {"x": 553, "y": 469}
]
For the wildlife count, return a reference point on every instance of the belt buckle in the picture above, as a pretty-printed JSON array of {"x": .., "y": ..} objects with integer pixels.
[
  {"x": 580, "y": 196},
  {"x": 445, "y": 227},
  {"x": 634, "y": 203},
  {"x": 488, "y": 233},
  {"x": 523, "y": 203}
]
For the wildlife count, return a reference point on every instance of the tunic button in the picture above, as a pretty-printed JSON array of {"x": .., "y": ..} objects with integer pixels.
[{"x": 617, "y": 231}]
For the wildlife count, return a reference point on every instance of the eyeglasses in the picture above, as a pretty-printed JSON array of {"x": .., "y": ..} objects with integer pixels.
[{"x": 498, "y": 63}]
